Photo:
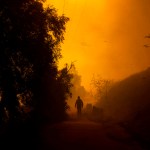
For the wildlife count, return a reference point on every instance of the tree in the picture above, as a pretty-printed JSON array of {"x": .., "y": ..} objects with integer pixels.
[
  {"x": 30, "y": 38},
  {"x": 101, "y": 87},
  {"x": 64, "y": 82}
]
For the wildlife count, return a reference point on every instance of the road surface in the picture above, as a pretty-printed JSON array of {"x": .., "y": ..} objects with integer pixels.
[{"x": 86, "y": 135}]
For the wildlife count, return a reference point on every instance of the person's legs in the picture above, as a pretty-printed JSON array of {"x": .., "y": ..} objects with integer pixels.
[{"x": 79, "y": 112}]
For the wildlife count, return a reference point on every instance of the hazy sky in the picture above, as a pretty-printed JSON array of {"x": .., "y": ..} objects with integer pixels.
[{"x": 105, "y": 37}]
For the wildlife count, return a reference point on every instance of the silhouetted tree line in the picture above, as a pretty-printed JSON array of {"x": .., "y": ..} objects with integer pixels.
[
  {"x": 31, "y": 86},
  {"x": 128, "y": 103}
]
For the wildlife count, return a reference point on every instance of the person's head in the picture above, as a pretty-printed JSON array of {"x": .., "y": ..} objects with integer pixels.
[{"x": 78, "y": 97}]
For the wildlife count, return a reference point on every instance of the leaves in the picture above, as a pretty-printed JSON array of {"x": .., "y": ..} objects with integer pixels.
[{"x": 30, "y": 38}]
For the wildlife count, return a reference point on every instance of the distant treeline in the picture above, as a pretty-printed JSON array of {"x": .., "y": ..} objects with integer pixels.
[{"x": 128, "y": 103}]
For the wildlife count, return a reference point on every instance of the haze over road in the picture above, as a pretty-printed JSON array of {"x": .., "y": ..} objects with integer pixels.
[{"x": 86, "y": 135}]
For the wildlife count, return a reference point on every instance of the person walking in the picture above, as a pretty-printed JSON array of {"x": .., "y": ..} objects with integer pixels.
[{"x": 79, "y": 106}]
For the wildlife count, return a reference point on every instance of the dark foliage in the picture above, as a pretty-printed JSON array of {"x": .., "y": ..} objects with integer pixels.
[
  {"x": 31, "y": 87},
  {"x": 128, "y": 104}
]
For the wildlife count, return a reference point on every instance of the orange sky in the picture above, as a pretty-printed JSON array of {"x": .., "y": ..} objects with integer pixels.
[{"x": 105, "y": 37}]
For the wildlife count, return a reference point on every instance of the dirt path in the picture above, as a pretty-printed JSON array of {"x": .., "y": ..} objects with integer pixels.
[{"x": 86, "y": 135}]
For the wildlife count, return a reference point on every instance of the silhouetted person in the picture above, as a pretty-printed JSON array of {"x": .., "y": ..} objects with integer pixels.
[{"x": 79, "y": 106}]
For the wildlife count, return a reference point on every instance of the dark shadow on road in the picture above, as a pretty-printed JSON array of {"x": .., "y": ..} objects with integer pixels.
[{"x": 83, "y": 134}]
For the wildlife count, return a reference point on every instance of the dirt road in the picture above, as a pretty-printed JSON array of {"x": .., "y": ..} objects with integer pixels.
[{"x": 86, "y": 135}]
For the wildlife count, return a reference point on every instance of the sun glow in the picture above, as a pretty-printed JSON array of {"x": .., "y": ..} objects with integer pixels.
[{"x": 105, "y": 37}]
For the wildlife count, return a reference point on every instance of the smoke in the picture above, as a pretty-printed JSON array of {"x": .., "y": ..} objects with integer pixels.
[
  {"x": 108, "y": 39},
  {"x": 128, "y": 97},
  {"x": 78, "y": 90}
]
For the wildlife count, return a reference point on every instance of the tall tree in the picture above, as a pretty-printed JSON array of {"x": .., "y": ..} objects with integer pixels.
[{"x": 30, "y": 38}]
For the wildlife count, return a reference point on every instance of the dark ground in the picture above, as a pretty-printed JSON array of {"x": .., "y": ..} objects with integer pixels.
[
  {"x": 74, "y": 134},
  {"x": 86, "y": 135}
]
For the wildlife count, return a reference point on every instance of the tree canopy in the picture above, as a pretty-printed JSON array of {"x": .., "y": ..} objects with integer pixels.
[{"x": 30, "y": 38}]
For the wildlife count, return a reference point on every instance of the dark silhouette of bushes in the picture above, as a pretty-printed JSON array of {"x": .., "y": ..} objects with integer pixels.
[
  {"x": 128, "y": 104},
  {"x": 32, "y": 89}
]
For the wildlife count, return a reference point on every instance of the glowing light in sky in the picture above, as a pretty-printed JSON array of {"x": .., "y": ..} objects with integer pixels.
[{"x": 105, "y": 37}]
